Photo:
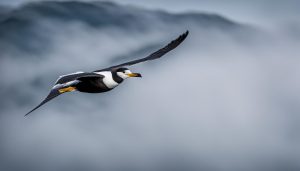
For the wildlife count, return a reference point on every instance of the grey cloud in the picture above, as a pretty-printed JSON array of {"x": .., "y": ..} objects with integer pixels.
[
  {"x": 221, "y": 101},
  {"x": 262, "y": 12}
]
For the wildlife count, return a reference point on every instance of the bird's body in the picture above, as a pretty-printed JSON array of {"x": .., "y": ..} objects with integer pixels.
[
  {"x": 105, "y": 79},
  {"x": 97, "y": 85},
  {"x": 92, "y": 82},
  {"x": 88, "y": 82}
]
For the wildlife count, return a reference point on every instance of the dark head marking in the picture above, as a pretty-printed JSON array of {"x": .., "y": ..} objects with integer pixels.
[
  {"x": 115, "y": 76},
  {"x": 122, "y": 69}
]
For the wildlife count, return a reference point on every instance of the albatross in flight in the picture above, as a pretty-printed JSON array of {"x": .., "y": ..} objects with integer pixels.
[{"x": 103, "y": 80}]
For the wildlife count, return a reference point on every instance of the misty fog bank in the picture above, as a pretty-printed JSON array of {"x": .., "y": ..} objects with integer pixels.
[{"x": 226, "y": 99}]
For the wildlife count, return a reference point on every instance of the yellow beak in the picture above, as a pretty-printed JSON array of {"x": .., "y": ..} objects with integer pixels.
[{"x": 134, "y": 75}]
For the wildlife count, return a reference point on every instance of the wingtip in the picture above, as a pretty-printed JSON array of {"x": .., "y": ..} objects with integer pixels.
[
  {"x": 27, "y": 113},
  {"x": 184, "y": 35},
  {"x": 186, "y": 32}
]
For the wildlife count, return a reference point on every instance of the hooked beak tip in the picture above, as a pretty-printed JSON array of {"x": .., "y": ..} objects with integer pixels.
[{"x": 138, "y": 75}]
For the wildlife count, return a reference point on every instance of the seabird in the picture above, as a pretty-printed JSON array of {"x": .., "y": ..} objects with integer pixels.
[{"x": 106, "y": 79}]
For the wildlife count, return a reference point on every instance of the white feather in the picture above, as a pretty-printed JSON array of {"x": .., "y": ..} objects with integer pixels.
[
  {"x": 108, "y": 79},
  {"x": 67, "y": 84},
  {"x": 78, "y": 72}
]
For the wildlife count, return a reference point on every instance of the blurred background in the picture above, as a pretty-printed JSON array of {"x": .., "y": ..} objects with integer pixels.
[{"x": 227, "y": 99}]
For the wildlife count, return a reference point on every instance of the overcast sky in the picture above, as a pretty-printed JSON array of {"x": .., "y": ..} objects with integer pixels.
[
  {"x": 227, "y": 99},
  {"x": 263, "y": 12}
]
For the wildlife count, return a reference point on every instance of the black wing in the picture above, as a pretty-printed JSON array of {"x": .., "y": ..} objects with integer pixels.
[
  {"x": 64, "y": 79},
  {"x": 159, "y": 53},
  {"x": 53, "y": 93},
  {"x": 91, "y": 77},
  {"x": 70, "y": 77}
]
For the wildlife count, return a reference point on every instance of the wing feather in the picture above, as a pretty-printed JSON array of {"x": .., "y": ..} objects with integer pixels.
[
  {"x": 70, "y": 77},
  {"x": 53, "y": 93},
  {"x": 66, "y": 81},
  {"x": 159, "y": 53}
]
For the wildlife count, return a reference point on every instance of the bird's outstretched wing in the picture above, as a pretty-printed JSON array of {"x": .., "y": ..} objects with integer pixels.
[
  {"x": 53, "y": 93},
  {"x": 159, "y": 53},
  {"x": 65, "y": 84}
]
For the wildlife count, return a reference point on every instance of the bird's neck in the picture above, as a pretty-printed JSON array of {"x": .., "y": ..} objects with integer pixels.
[
  {"x": 110, "y": 79},
  {"x": 117, "y": 78}
]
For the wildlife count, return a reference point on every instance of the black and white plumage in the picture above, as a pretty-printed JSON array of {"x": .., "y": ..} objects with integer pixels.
[{"x": 103, "y": 80}]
